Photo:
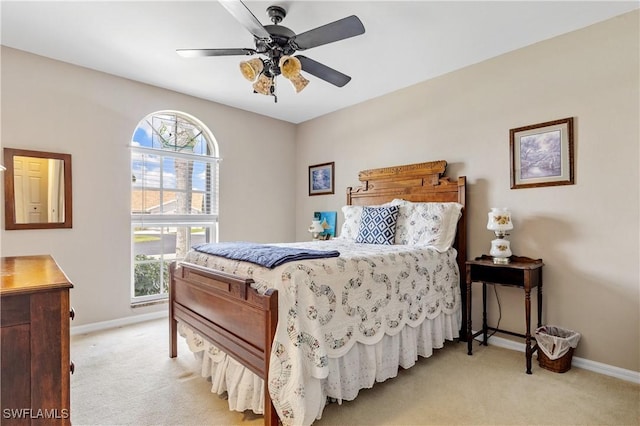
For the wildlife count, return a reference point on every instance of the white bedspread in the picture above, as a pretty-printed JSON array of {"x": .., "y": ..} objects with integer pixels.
[{"x": 333, "y": 311}]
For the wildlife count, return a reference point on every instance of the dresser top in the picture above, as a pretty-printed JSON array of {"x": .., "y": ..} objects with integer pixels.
[{"x": 27, "y": 274}]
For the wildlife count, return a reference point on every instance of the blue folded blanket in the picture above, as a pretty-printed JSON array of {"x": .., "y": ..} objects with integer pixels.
[{"x": 262, "y": 254}]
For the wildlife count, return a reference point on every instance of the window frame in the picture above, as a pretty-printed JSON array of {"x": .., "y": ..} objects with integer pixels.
[{"x": 163, "y": 220}]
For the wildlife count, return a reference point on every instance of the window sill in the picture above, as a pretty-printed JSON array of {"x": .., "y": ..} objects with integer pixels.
[{"x": 149, "y": 303}]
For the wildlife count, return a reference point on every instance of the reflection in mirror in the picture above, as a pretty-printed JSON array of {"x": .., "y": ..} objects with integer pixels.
[{"x": 37, "y": 189}]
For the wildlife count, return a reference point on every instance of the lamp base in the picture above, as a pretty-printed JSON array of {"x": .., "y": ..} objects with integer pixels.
[{"x": 500, "y": 251}]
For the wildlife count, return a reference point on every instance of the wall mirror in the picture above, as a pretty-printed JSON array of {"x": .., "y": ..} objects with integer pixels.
[{"x": 37, "y": 189}]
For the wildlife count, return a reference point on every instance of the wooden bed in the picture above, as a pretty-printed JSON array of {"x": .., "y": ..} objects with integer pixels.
[{"x": 228, "y": 312}]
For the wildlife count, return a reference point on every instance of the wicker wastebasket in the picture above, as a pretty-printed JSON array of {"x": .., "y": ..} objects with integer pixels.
[
  {"x": 555, "y": 347},
  {"x": 560, "y": 365}
]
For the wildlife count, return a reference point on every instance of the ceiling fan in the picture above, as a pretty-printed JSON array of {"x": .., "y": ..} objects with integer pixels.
[{"x": 278, "y": 44}]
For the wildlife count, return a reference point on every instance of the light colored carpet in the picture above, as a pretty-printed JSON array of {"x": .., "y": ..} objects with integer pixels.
[{"x": 125, "y": 376}]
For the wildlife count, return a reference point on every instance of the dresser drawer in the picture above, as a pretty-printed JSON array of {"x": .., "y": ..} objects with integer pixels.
[{"x": 15, "y": 310}]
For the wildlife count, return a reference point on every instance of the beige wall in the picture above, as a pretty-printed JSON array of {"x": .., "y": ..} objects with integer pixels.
[
  {"x": 52, "y": 106},
  {"x": 587, "y": 234}
]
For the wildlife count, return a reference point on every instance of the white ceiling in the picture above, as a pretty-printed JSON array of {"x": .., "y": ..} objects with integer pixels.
[{"x": 405, "y": 42}]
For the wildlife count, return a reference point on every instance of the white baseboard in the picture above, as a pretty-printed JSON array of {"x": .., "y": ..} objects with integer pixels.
[
  {"x": 598, "y": 367},
  {"x": 105, "y": 325}
]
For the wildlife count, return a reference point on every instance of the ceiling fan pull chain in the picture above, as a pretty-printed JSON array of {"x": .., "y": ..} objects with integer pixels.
[{"x": 273, "y": 91}]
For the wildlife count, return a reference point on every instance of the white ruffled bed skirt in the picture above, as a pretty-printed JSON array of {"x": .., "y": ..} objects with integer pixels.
[{"x": 359, "y": 369}]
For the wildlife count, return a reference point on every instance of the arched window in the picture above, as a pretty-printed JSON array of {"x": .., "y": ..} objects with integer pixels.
[{"x": 174, "y": 197}]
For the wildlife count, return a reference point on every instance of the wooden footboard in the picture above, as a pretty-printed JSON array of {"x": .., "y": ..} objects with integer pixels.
[{"x": 228, "y": 312}]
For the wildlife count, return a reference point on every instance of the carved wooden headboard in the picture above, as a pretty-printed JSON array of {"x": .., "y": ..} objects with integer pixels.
[{"x": 421, "y": 182}]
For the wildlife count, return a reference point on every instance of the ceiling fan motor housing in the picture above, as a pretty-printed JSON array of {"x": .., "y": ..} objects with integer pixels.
[{"x": 278, "y": 47}]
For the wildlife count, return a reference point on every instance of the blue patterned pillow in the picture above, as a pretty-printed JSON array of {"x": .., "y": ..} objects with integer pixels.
[{"x": 378, "y": 225}]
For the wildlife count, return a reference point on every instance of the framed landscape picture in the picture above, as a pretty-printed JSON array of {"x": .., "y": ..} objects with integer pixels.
[
  {"x": 321, "y": 179},
  {"x": 542, "y": 154}
]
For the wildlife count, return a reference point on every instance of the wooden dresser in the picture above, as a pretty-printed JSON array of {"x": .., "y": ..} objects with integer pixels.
[{"x": 35, "y": 363}]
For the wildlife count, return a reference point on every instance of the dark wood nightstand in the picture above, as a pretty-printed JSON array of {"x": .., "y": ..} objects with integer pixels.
[{"x": 521, "y": 272}]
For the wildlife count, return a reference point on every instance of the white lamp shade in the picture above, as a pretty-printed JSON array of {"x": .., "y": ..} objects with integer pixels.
[
  {"x": 316, "y": 227},
  {"x": 499, "y": 220}
]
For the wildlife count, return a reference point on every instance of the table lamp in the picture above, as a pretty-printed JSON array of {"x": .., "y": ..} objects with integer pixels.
[
  {"x": 316, "y": 229},
  {"x": 500, "y": 222}
]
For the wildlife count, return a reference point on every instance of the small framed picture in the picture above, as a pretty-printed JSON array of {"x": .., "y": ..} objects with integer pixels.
[
  {"x": 542, "y": 154},
  {"x": 321, "y": 179}
]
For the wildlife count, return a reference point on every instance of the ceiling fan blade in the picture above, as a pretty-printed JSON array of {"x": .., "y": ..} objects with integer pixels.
[
  {"x": 323, "y": 72},
  {"x": 343, "y": 28},
  {"x": 195, "y": 53},
  {"x": 248, "y": 20}
]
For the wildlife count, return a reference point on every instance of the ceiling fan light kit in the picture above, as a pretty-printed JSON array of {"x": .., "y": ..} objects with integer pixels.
[
  {"x": 252, "y": 68},
  {"x": 265, "y": 85},
  {"x": 278, "y": 44},
  {"x": 290, "y": 67}
]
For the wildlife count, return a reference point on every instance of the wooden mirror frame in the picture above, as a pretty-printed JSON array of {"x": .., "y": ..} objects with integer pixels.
[{"x": 9, "y": 192}]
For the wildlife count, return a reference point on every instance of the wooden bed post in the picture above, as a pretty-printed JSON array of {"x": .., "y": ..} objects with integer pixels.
[
  {"x": 461, "y": 247},
  {"x": 270, "y": 414},
  {"x": 173, "y": 324}
]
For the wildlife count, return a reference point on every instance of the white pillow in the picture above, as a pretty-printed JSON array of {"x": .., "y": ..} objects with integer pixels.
[
  {"x": 351, "y": 224},
  {"x": 405, "y": 210},
  {"x": 432, "y": 224}
]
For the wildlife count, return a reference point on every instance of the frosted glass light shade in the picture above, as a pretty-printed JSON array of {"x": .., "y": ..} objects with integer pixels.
[
  {"x": 252, "y": 68},
  {"x": 290, "y": 67},
  {"x": 316, "y": 226},
  {"x": 263, "y": 85},
  {"x": 316, "y": 229},
  {"x": 499, "y": 220},
  {"x": 298, "y": 82}
]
